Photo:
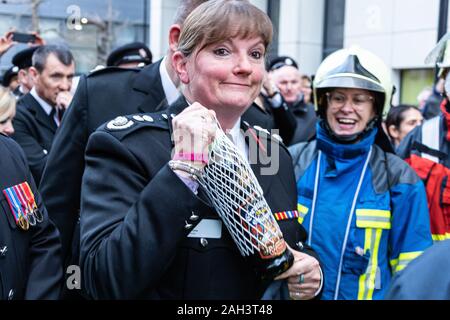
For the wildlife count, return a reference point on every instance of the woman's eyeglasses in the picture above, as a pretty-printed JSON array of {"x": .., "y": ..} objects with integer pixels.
[{"x": 338, "y": 100}]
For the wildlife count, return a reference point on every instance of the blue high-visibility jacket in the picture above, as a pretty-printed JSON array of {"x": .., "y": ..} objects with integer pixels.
[{"x": 360, "y": 249}]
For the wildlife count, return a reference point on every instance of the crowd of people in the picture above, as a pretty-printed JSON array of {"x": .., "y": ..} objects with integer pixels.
[{"x": 101, "y": 171}]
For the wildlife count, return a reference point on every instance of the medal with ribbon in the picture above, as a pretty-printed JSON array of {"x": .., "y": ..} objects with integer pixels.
[
  {"x": 26, "y": 207},
  {"x": 16, "y": 208},
  {"x": 29, "y": 195}
]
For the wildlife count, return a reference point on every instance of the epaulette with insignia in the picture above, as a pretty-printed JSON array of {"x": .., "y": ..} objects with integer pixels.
[
  {"x": 273, "y": 136},
  {"x": 124, "y": 125}
]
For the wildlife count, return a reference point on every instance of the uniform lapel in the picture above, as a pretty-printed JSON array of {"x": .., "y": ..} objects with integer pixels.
[
  {"x": 259, "y": 159},
  {"x": 149, "y": 82},
  {"x": 39, "y": 113}
]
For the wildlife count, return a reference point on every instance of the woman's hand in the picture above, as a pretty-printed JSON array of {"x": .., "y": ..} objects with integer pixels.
[
  {"x": 194, "y": 130},
  {"x": 304, "y": 277}
]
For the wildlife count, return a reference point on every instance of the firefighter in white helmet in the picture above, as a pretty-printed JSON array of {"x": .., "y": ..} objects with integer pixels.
[
  {"x": 356, "y": 198},
  {"x": 427, "y": 148}
]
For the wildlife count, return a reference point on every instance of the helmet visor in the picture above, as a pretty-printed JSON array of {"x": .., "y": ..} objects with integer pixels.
[{"x": 350, "y": 82}]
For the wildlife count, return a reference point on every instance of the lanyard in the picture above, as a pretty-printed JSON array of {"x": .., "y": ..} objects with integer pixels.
[{"x": 352, "y": 211}]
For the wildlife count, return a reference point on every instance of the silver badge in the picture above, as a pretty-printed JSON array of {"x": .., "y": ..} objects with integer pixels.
[{"x": 119, "y": 123}]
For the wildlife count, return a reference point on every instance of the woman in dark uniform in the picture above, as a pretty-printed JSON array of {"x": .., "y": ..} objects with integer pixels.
[
  {"x": 147, "y": 230},
  {"x": 30, "y": 249}
]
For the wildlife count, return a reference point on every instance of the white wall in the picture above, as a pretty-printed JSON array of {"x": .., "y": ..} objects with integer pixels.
[
  {"x": 261, "y": 4},
  {"x": 401, "y": 32},
  {"x": 301, "y": 32},
  {"x": 162, "y": 13}
]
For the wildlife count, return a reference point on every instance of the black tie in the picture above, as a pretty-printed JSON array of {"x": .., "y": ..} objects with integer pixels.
[{"x": 59, "y": 114}]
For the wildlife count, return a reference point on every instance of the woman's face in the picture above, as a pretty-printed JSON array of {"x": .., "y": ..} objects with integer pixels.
[
  {"x": 411, "y": 119},
  {"x": 349, "y": 110},
  {"x": 225, "y": 76},
  {"x": 6, "y": 118}
]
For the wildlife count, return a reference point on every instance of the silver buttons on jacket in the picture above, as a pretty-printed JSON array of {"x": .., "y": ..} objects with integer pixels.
[
  {"x": 3, "y": 251},
  {"x": 11, "y": 294},
  {"x": 203, "y": 242},
  {"x": 193, "y": 216},
  {"x": 147, "y": 118},
  {"x": 188, "y": 226}
]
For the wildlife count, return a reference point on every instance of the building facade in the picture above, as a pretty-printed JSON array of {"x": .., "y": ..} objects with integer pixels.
[
  {"x": 91, "y": 28},
  {"x": 401, "y": 32}
]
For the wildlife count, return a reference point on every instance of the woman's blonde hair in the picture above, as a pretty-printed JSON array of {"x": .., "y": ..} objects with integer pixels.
[
  {"x": 219, "y": 20},
  {"x": 7, "y": 101}
]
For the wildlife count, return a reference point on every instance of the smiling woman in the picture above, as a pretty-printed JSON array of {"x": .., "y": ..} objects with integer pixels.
[
  {"x": 149, "y": 231},
  {"x": 358, "y": 199}
]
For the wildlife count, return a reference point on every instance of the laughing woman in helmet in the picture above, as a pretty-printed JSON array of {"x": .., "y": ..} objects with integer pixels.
[{"x": 365, "y": 209}]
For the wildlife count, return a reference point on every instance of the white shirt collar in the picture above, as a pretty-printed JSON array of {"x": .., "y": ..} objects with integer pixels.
[
  {"x": 238, "y": 138},
  {"x": 44, "y": 105},
  {"x": 170, "y": 90}
]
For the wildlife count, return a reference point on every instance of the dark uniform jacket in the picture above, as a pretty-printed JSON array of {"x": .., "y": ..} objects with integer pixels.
[
  {"x": 306, "y": 119},
  {"x": 136, "y": 214},
  {"x": 425, "y": 278},
  {"x": 30, "y": 261},
  {"x": 34, "y": 132},
  {"x": 100, "y": 97}
]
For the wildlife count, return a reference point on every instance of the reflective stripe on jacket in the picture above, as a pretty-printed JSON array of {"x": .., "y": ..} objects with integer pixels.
[{"x": 389, "y": 227}]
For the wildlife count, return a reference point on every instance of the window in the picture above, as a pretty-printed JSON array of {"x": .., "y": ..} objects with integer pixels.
[
  {"x": 333, "y": 38},
  {"x": 413, "y": 82}
]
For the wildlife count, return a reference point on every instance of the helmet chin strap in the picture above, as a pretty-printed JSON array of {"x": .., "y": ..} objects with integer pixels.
[{"x": 350, "y": 138}]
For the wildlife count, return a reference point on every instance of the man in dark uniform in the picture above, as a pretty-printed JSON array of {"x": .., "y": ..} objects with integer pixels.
[
  {"x": 22, "y": 60},
  {"x": 131, "y": 55},
  {"x": 286, "y": 76},
  {"x": 30, "y": 258},
  {"x": 39, "y": 112},
  {"x": 101, "y": 96}
]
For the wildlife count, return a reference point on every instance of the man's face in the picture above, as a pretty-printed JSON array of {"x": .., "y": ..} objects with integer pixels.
[
  {"x": 55, "y": 78},
  {"x": 25, "y": 80},
  {"x": 287, "y": 79}
]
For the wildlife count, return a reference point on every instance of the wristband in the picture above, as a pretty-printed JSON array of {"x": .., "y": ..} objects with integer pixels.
[
  {"x": 193, "y": 157},
  {"x": 194, "y": 173}
]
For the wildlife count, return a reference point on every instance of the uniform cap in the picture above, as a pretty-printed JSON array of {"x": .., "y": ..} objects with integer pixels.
[
  {"x": 22, "y": 59},
  {"x": 282, "y": 61},
  {"x": 9, "y": 74},
  {"x": 131, "y": 52}
]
